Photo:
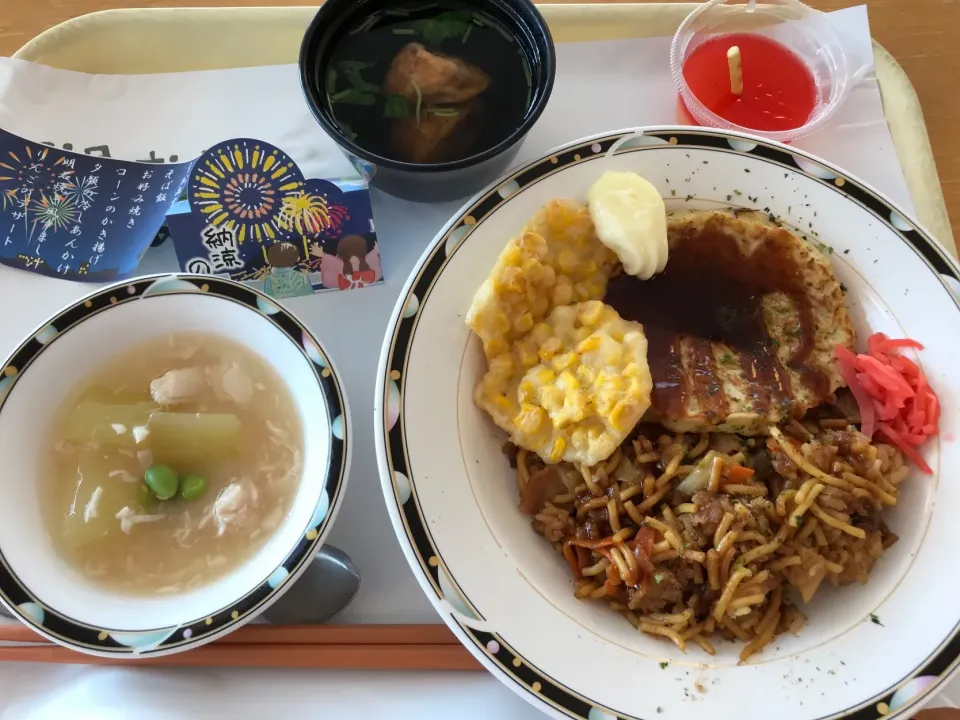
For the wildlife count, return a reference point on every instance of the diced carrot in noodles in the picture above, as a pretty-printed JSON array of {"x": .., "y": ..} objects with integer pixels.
[
  {"x": 892, "y": 393},
  {"x": 591, "y": 544},
  {"x": 646, "y": 537},
  {"x": 616, "y": 592},
  {"x": 739, "y": 473},
  {"x": 643, "y": 543},
  {"x": 571, "y": 557}
]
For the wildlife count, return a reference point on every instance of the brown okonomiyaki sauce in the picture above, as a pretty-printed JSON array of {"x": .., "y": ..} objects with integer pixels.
[{"x": 710, "y": 293}]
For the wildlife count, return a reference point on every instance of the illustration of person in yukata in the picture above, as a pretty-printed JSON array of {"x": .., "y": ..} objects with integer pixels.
[
  {"x": 351, "y": 267},
  {"x": 285, "y": 280}
]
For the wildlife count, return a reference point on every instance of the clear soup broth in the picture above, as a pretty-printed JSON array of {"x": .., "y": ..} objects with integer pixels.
[
  {"x": 172, "y": 464},
  {"x": 428, "y": 82}
]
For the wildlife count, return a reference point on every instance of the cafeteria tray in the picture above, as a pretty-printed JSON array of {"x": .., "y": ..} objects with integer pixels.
[{"x": 136, "y": 41}]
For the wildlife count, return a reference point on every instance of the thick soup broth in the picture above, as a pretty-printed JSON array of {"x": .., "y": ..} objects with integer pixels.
[{"x": 172, "y": 464}]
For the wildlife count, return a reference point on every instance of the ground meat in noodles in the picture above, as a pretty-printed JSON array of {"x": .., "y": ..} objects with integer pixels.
[
  {"x": 554, "y": 523},
  {"x": 701, "y": 600},
  {"x": 692, "y": 533},
  {"x": 782, "y": 465},
  {"x": 710, "y": 511},
  {"x": 589, "y": 531},
  {"x": 848, "y": 442},
  {"x": 871, "y": 521},
  {"x": 657, "y": 596},
  {"x": 759, "y": 509},
  {"x": 823, "y": 455},
  {"x": 542, "y": 487}
]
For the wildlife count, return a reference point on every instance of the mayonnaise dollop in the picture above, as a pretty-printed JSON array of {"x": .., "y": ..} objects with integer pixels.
[{"x": 630, "y": 218}]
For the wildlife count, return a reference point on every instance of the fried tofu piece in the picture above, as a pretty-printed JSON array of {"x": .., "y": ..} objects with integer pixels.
[
  {"x": 574, "y": 387},
  {"x": 439, "y": 136},
  {"x": 557, "y": 260},
  {"x": 442, "y": 80}
]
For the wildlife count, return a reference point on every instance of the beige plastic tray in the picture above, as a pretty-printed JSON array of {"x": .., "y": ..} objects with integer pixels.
[
  {"x": 138, "y": 41},
  {"x": 171, "y": 40}
]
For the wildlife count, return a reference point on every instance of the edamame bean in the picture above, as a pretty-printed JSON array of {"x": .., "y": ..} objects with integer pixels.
[
  {"x": 162, "y": 479},
  {"x": 192, "y": 487}
]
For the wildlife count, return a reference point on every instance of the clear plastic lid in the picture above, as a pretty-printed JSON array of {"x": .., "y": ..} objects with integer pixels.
[{"x": 805, "y": 31}]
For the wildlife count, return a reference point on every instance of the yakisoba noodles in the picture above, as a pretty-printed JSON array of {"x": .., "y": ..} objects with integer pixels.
[{"x": 694, "y": 537}]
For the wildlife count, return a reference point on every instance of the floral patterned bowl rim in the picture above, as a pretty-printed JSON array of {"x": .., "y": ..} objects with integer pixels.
[
  {"x": 59, "y": 354},
  {"x": 867, "y": 651}
]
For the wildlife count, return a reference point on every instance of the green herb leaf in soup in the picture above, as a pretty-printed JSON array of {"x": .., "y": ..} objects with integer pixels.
[
  {"x": 353, "y": 96},
  {"x": 354, "y": 66},
  {"x": 396, "y": 106},
  {"x": 446, "y": 25},
  {"x": 351, "y": 70}
]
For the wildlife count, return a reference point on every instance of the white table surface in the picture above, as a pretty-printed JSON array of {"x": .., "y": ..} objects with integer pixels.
[{"x": 589, "y": 74}]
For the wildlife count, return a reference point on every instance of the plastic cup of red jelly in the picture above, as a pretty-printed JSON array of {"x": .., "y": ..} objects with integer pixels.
[{"x": 795, "y": 72}]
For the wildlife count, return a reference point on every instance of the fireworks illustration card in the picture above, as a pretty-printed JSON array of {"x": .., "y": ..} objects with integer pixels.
[
  {"x": 80, "y": 217},
  {"x": 252, "y": 216}
]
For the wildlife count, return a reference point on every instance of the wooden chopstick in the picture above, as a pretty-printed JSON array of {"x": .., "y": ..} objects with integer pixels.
[
  {"x": 299, "y": 635},
  {"x": 345, "y": 647},
  {"x": 341, "y": 657},
  {"x": 343, "y": 634}
]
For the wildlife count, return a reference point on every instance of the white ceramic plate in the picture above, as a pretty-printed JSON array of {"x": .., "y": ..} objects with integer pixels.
[
  {"x": 507, "y": 594},
  {"x": 56, "y": 599}
]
